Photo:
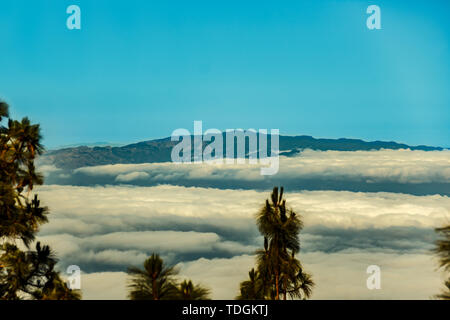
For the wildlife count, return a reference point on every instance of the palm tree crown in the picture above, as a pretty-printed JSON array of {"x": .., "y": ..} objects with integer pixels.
[
  {"x": 157, "y": 282},
  {"x": 279, "y": 271},
  {"x": 189, "y": 291}
]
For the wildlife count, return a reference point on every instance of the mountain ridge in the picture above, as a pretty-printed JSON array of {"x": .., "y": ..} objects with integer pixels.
[{"x": 159, "y": 150}]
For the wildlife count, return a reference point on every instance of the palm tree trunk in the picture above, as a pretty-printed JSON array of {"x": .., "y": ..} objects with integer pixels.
[
  {"x": 277, "y": 286},
  {"x": 155, "y": 294}
]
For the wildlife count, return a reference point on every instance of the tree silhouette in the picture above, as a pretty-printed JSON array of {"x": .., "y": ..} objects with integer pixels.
[
  {"x": 190, "y": 291},
  {"x": 23, "y": 274},
  {"x": 442, "y": 250},
  {"x": 277, "y": 267},
  {"x": 254, "y": 288},
  {"x": 157, "y": 281}
]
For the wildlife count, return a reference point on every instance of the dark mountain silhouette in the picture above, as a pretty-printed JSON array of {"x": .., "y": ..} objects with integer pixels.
[{"x": 159, "y": 150}]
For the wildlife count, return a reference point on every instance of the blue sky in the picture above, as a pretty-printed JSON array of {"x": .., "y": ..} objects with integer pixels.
[{"x": 140, "y": 69}]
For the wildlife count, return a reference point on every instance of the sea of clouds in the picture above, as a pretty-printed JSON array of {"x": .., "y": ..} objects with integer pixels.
[
  {"x": 120, "y": 214},
  {"x": 406, "y": 171}
]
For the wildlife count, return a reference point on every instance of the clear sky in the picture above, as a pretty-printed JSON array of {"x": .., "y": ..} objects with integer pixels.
[{"x": 140, "y": 69}]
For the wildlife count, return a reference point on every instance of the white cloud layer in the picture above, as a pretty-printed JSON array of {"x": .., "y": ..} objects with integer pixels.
[
  {"x": 399, "y": 166},
  {"x": 212, "y": 233},
  {"x": 93, "y": 210},
  {"x": 132, "y": 248}
]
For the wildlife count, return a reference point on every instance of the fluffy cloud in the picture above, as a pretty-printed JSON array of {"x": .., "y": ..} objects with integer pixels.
[
  {"x": 117, "y": 215},
  {"x": 118, "y": 250},
  {"x": 104, "y": 286},
  {"x": 109, "y": 228},
  {"x": 406, "y": 171},
  {"x": 403, "y": 166},
  {"x": 96, "y": 210},
  {"x": 136, "y": 175}
]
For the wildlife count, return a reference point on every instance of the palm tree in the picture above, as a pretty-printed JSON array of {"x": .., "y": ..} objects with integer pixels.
[
  {"x": 189, "y": 291},
  {"x": 254, "y": 288},
  {"x": 155, "y": 282},
  {"x": 278, "y": 272},
  {"x": 295, "y": 282},
  {"x": 280, "y": 227},
  {"x": 442, "y": 249}
]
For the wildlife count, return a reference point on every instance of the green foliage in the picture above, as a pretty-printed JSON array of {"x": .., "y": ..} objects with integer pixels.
[
  {"x": 23, "y": 274},
  {"x": 4, "y": 112},
  {"x": 279, "y": 272},
  {"x": 154, "y": 282},
  {"x": 57, "y": 289},
  {"x": 442, "y": 250},
  {"x": 157, "y": 282},
  {"x": 187, "y": 290},
  {"x": 253, "y": 288}
]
